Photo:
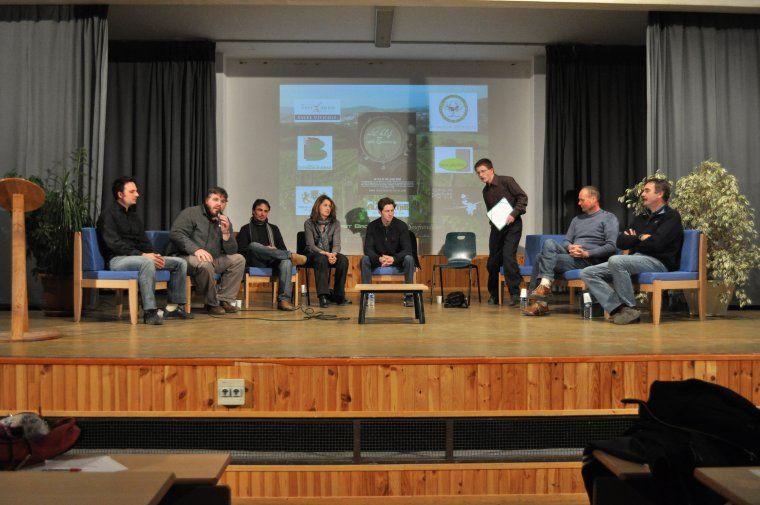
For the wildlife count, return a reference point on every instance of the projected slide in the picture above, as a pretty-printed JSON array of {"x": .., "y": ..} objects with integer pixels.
[{"x": 361, "y": 142}]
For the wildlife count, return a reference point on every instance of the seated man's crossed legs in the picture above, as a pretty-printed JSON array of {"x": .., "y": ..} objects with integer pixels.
[
  {"x": 553, "y": 259},
  {"x": 281, "y": 262}
]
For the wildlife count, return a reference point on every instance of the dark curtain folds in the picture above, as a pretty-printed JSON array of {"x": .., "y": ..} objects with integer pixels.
[
  {"x": 161, "y": 124},
  {"x": 595, "y": 127}
]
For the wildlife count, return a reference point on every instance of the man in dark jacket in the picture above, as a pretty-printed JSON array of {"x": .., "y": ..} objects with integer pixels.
[
  {"x": 388, "y": 243},
  {"x": 203, "y": 236},
  {"x": 122, "y": 239},
  {"x": 654, "y": 245},
  {"x": 502, "y": 244},
  {"x": 263, "y": 246}
]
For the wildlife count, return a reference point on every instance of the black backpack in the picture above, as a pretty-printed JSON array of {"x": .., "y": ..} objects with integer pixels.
[
  {"x": 456, "y": 299},
  {"x": 683, "y": 425}
]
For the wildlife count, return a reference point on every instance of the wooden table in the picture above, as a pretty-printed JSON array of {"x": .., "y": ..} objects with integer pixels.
[
  {"x": 623, "y": 469},
  {"x": 84, "y": 488},
  {"x": 738, "y": 484},
  {"x": 415, "y": 289},
  {"x": 188, "y": 469}
]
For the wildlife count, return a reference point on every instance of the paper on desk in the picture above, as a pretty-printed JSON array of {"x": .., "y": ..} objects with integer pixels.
[
  {"x": 93, "y": 464},
  {"x": 499, "y": 212}
]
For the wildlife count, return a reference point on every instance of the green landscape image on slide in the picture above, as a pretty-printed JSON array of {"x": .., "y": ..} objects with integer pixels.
[{"x": 361, "y": 142}]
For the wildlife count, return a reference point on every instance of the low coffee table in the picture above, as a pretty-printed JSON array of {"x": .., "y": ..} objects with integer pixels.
[{"x": 415, "y": 289}]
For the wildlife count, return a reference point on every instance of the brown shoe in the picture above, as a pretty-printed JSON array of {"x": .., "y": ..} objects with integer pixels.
[
  {"x": 285, "y": 305},
  {"x": 536, "y": 308},
  {"x": 298, "y": 259},
  {"x": 228, "y": 307},
  {"x": 215, "y": 310},
  {"x": 541, "y": 291}
]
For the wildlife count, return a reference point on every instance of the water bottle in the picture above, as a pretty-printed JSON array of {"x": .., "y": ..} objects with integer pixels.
[
  {"x": 523, "y": 299},
  {"x": 371, "y": 301},
  {"x": 587, "y": 306}
]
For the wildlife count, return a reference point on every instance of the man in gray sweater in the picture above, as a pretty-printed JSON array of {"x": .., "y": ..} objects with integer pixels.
[
  {"x": 202, "y": 235},
  {"x": 590, "y": 240}
]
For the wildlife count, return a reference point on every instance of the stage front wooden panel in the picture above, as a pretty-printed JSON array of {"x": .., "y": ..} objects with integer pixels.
[
  {"x": 356, "y": 387},
  {"x": 404, "y": 480}
]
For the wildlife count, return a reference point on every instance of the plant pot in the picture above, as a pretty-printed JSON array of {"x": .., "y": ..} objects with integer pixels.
[
  {"x": 715, "y": 307},
  {"x": 58, "y": 291}
]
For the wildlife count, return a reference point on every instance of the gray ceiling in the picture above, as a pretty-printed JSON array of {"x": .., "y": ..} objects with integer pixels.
[{"x": 495, "y": 33}]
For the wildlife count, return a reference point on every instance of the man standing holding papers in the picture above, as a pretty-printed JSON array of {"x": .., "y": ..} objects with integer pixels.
[{"x": 502, "y": 242}]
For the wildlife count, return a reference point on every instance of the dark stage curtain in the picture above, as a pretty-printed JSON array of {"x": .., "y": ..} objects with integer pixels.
[
  {"x": 595, "y": 127},
  {"x": 161, "y": 124}
]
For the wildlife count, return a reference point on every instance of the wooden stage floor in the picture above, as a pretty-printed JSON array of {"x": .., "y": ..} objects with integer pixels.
[{"x": 482, "y": 331}]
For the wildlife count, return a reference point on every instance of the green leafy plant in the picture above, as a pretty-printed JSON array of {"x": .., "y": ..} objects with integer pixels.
[
  {"x": 709, "y": 199},
  {"x": 50, "y": 229}
]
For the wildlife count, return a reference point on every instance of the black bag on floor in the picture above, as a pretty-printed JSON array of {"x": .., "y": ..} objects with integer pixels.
[
  {"x": 683, "y": 425},
  {"x": 456, "y": 299}
]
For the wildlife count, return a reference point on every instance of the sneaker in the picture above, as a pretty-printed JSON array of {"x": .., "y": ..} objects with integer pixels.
[
  {"x": 493, "y": 300},
  {"x": 215, "y": 310},
  {"x": 228, "y": 307},
  {"x": 298, "y": 259},
  {"x": 323, "y": 301},
  {"x": 408, "y": 300},
  {"x": 152, "y": 317},
  {"x": 285, "y": 305},
  {"x": 626, "y": 315},
  {"x": 178, "y": 313},
  {"x": 541, "y": 291},
  {"x": 537, "y": 308}
]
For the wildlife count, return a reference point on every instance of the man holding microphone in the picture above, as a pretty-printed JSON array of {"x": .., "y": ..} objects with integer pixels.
[{"x": 203, "y": 236}]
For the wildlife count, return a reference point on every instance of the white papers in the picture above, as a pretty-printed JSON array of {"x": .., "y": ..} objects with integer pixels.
[
  {"x": 93, "y": 464},
  {"x": 756, "y": 472},
  {"x": 499, "y": 212}
]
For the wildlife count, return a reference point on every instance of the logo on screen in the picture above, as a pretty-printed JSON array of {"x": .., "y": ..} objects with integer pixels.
[
  {"x": 453, "y": 160},
  {"x": 307, "y": 195},
  {"x": 316, "y": 111},
  {"x": 453, "y": 112},
  {"x": 315, "y": 153}
]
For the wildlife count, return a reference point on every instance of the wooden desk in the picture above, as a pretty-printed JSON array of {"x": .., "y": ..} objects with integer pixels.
[
  {"x": 737, "y": 484},
  {"x": 623, "y": 470},
  {"x": 415, "y": 289},
  {"x": 84, "y": 488},
  {"x": 188, "y": 469}
]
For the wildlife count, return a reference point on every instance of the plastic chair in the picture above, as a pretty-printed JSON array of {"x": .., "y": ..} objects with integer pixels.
[{"x": 459, "y": 249}]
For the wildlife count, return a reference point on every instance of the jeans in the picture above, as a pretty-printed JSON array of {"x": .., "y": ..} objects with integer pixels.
[
  {"x": 554, "y": 259},
  {"x": 146, "y": 277},
  {"x": 502, "y": 252},
  {"x": 322, "y": 267},
  {"x": 230, "y": 267},
  {"x": 618, "y": 269},
  {"x": 407, "y": 266},
  {"x": 279, "y": 261}
]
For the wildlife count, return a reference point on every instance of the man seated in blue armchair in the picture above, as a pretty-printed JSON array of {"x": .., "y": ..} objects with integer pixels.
[
  {"x": 590, "y": 240},
  {"x": 124, "y": 245},
  {"x": 654, "y": 244}
]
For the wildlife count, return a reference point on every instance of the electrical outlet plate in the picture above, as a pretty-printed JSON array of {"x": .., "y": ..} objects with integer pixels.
[{"x": 230, "y": 392}]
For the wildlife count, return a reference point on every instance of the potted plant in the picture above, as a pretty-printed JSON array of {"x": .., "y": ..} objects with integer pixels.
[
  {"x": 709, "y": 200},
  {"x": 50, "y": 229}
]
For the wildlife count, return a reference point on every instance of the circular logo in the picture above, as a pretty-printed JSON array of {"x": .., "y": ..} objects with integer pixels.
[
  {"x": 382, "y": 139},
  {"x": 453, "y": 108}
]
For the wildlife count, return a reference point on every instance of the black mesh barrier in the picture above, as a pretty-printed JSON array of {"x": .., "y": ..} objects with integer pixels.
[{"x": 329, "y": 441}]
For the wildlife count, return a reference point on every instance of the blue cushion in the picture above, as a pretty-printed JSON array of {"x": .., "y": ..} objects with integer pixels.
[
  {"x": 122, "y": 275},
  {"x": 159, "y": 239},
  {"x": 690, "y": 251},
  {"x": 264, "y": 272},
  {"x": 91, "y": 257},
  {"x": 387, "y": 271},
  {"x": 524, "y": 270},
  {"x": 649, "y": 277},
  {"x": 572, "y": 275}
]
